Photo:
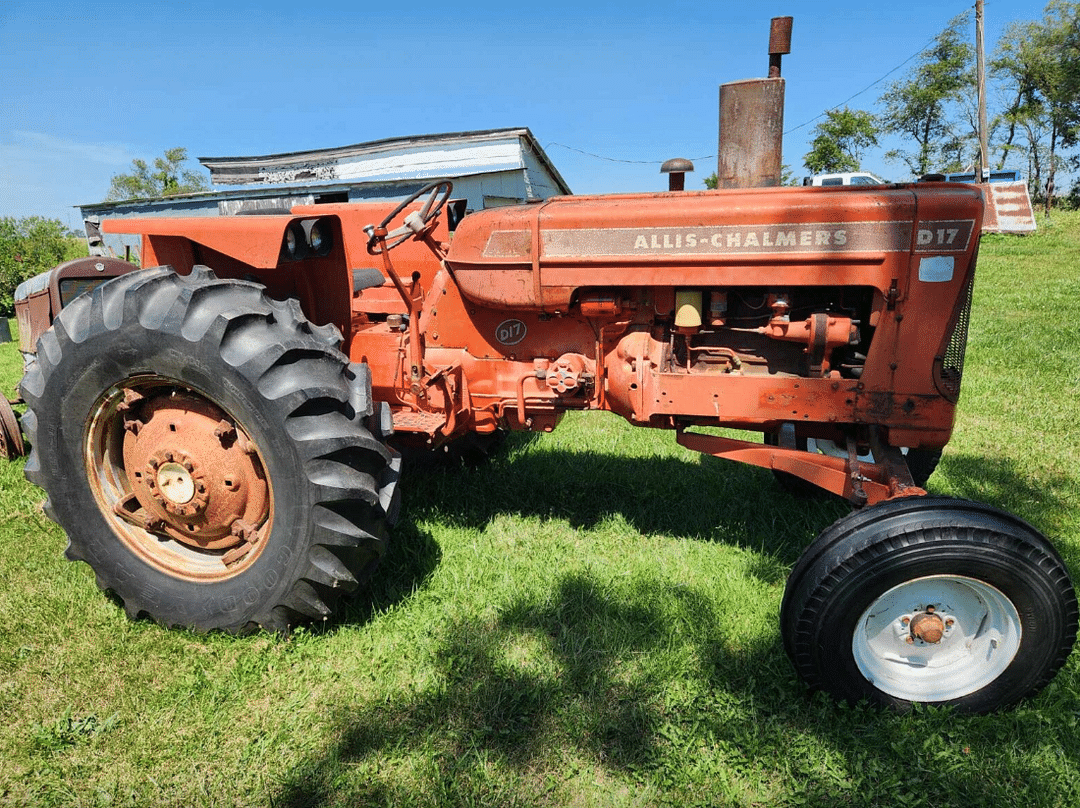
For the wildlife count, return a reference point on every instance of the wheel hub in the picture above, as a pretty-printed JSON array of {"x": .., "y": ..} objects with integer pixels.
[
  {"x": 927, "y": 626},
  {"x": 175, "y": 483},
  {"x": 936, "y": 638},
  {"x": 194, "y": 471}
]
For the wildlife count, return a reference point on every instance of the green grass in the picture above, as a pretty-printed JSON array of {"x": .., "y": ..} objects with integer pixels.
[{"x": 590, "y": 620}]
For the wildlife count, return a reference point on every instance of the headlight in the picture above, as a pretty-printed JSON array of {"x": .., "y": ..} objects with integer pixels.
[
  {"x": 294, "y": 246},
  {"x": 319, "y": 236},
  {"x": 308, "y": 237}
]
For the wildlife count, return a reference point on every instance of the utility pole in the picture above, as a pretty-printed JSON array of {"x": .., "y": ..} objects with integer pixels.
[{"x": 984, "y": 151}]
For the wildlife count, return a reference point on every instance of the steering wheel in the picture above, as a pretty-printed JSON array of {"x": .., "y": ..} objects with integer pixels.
[{"x": 414, "y": 223}]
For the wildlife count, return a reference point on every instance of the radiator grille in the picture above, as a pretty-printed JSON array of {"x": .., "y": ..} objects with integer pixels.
[{"x": 950, "y": 367}]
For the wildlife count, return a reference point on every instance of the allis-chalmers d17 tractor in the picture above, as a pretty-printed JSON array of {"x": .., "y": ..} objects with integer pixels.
[{"x": 219, "y": 435}]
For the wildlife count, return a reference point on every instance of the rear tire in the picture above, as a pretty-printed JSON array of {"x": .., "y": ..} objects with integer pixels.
[
  {"x": 206, "y": 449},
  {"x": 929, "y": 600}
]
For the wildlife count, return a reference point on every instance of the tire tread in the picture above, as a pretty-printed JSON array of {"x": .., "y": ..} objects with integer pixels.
[
  {"x": 297, "y": 369},
  {"x": 901, "y": 527}
]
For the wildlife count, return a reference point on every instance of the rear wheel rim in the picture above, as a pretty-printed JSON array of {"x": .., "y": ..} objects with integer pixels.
[
  {"x": 177, "y": 479},
  {"x": 980, "y": 632}
]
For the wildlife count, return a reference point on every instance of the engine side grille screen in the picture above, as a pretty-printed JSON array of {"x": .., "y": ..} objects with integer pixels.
[{"x": 950, "y": 366}]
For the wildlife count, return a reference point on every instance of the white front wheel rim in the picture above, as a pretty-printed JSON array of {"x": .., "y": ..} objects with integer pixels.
[{"x": 980, "y": 635}]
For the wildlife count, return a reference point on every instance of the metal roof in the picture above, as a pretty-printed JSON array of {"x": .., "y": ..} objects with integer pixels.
[
  {"x": 389, "y": 159},
  {"x": 387, "y": 162}
]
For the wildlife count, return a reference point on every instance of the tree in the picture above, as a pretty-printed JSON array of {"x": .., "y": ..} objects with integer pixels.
[
  {"x": 786, "y": 178},
  {"x": 1039, "y": 62},
  {"x": 168, "y": 177},
  {"x": 840, "y": 141},
  {"x": 919, "y": 107},
  {"x": 1015, "y": 64},
  {"x": 30, "y": 246}
]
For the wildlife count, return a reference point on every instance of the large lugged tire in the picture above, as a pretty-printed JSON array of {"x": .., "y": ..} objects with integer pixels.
[
  {"x": 207, "y": 451},
  {"x": 930, "y": 600}
]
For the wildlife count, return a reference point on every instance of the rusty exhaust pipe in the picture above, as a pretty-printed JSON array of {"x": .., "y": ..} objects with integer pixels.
[{"x": 752, "y": 121}]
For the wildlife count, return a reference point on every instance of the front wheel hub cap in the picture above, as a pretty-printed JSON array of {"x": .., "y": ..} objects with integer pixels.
[{"x": 927, "y": 627}]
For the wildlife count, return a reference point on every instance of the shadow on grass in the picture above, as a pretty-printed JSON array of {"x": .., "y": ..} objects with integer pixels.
[
  {"x": 646, "y": 688},
  {"x": 700, "y": 498},
  {"x": 643, "y": 685},
  {"x": 703, "y": 499},
  {"x": 411, "y": 558},
  {"x": 568, "y": 675},
  {"x": 995, "y": 481}
]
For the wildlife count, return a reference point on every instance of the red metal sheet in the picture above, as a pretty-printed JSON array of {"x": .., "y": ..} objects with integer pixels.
[{"x": 1008, "y": 208}]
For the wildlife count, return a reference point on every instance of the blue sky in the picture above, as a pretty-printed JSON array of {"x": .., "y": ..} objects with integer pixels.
[{"x": 86, "y": 87}]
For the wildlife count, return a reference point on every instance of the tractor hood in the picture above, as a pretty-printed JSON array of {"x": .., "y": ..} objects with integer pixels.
[{"x": 537, "y": 256}]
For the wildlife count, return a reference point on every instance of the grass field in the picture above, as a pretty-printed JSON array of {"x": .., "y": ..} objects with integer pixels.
[{"x": 590, "y": 620}]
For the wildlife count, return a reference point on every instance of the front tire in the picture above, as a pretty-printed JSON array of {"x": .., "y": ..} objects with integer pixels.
[
  {"x": 929, "y": 600},
  {"x": 206, "y": 450}
]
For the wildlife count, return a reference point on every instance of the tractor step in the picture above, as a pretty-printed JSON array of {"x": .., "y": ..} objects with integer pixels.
[{"x": 425, "y": 422}]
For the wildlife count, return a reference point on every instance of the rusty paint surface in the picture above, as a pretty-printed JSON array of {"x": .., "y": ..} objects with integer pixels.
[
  {"x": 193, "y": 471},
  {"x": 1008, "y": 208},
  {"x": 751, "y": 133},
  {"x": 779, "y": 43},
  {"x": 835, "y": 313},
  {"x": 186, "y": 489},
  {"x": 11, "y": 442},
  {"x": 927, "y": 627}
]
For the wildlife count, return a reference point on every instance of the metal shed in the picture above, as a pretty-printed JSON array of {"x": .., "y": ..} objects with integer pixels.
[{"x": 489, "y": 168}]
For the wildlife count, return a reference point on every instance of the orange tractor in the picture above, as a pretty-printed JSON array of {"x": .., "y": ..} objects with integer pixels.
[{"x": 219, "y": 435}]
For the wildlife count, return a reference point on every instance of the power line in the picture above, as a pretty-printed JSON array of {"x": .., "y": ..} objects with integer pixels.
[
  {"x": 920, "y": 52},
  {"x": 618, "y": 160},
  {"x": 873, "y": 84}
]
